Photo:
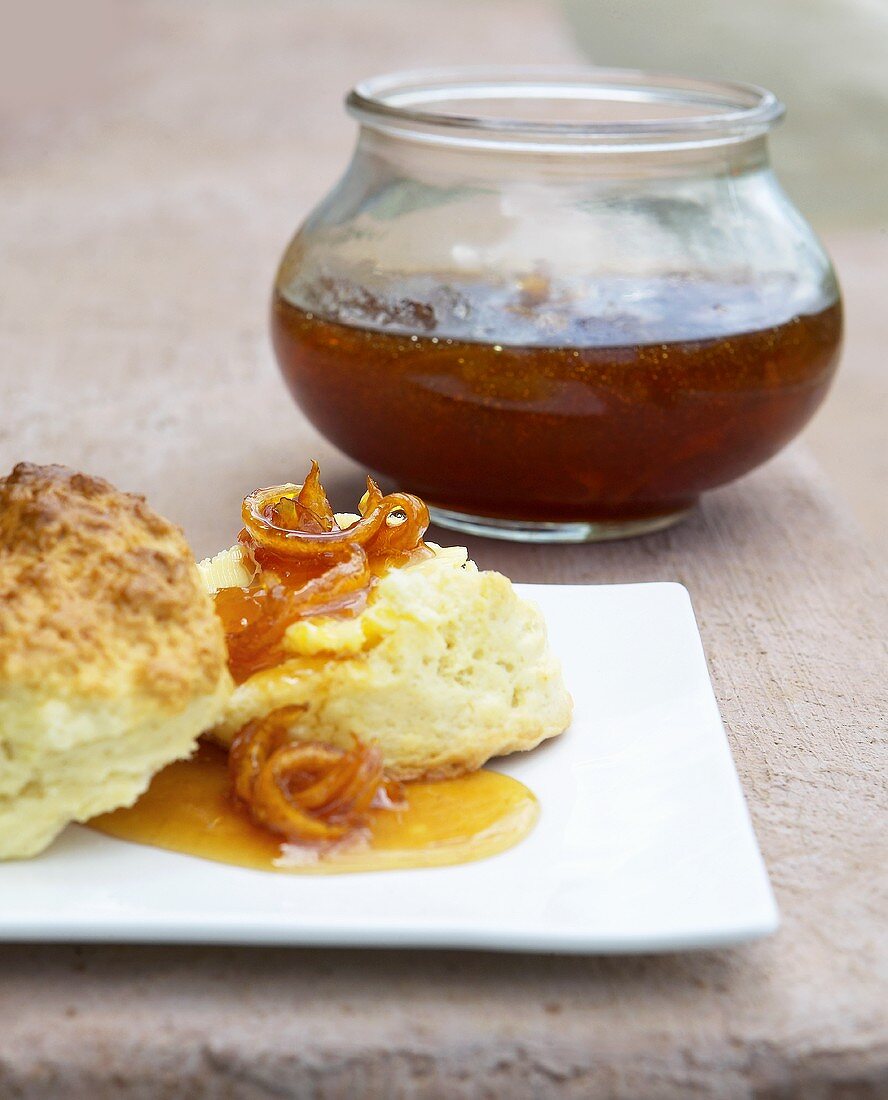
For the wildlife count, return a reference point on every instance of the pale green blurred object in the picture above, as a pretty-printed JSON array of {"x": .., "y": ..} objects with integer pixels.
[{"x": 826, "y": 59}]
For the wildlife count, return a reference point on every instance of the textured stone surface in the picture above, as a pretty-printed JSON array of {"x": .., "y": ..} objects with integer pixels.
[
  {"x": 848, "y": 435},
  {"x": 141, "y": 229}
]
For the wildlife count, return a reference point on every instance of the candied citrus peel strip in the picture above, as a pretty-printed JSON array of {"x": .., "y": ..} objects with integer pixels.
[
  {"x": 308, "y": 565},
  {"x": 289, "y": 526},
  {"x": 309, "y": 511},
  {"x": 304, "y": 790}
]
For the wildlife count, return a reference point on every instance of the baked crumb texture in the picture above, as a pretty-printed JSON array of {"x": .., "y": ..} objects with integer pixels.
[
  {"x": 446, "y": 668},
  {"x": 112, "y": 659}
]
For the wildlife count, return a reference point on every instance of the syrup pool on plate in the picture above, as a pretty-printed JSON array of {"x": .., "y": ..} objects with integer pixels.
[{"x": 188, "y": 808}]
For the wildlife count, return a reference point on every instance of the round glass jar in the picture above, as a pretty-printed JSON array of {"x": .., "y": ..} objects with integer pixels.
[{"x": 557, "y": 305}]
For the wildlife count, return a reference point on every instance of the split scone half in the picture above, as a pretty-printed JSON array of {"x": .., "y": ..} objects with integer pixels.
[
  {"x": 446, "y": 667},
  {"x": 112, "y": 659}
]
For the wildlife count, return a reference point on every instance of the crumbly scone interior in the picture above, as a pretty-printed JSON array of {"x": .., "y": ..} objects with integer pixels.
[{"x": 446, "y": 667}]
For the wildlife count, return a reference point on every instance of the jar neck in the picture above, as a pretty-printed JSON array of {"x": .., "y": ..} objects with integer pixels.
[{"x": 438, "y": 163}]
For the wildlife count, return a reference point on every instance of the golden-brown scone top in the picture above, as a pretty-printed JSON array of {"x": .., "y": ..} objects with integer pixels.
[
  {"x": 112, "y": 659},
  {"x": 98, "y": 594}
]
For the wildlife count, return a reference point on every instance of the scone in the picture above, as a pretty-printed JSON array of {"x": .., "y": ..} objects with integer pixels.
[
  {"x": 112, "y": 660},
  {"x": 445, "y": 668}
]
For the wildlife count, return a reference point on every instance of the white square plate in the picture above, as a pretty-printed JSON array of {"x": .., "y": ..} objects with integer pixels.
[{"x": 643, "y": 843}]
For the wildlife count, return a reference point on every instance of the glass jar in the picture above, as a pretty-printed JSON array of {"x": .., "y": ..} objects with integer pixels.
[{"x": 558, "y": 305}]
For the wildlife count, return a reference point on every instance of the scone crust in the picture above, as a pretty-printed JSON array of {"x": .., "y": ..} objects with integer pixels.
[{"x": 99, "y": 595}]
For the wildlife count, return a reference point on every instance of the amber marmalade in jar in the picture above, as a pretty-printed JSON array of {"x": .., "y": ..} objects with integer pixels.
[
  {"x": 602, "y": 432},
  {"x": 559, "y": 305}
]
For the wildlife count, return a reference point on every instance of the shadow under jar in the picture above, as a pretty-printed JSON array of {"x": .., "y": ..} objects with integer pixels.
[{"x": 557, "y": 305}]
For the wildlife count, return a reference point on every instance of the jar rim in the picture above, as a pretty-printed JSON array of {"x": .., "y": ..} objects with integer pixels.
[{"x": 446, "y": 105}]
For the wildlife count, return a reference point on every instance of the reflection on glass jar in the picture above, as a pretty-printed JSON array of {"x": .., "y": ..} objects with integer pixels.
[{"x": 557, "y": 306}]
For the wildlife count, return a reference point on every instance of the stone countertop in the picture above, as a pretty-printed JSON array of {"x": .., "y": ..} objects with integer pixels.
[{"x": 141, "y": 226}]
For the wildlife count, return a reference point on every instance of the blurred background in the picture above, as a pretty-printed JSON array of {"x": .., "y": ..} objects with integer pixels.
[{"x": 127, "y": 125}]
